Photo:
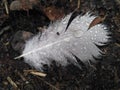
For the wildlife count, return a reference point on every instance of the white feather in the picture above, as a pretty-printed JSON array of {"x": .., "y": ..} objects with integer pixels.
[{"x": 77, "y": 40}]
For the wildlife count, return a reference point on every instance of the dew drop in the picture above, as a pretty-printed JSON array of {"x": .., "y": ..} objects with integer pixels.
[
  {"x": 87, "y": 24},
  {"x": 77, "y": 21},
  {"x": 92, "y": 38},
  {"x": 104, "y": 28},
  {"x": 87, "y": 43},
  {"x": 91, "y": 31},
  {"x": 78, "y": 33},
  {"x": 104, "y": 39},
  {"x": 64, "y": 22},
  {"x": 84, "y": 48},
  {"x": 75, "y": 43},
  {"x": 98, "y": 25},
  {"x": 67, "y": 39},
  {"x": 58, "y": 44},
  {"x": 96, "y": 31}
]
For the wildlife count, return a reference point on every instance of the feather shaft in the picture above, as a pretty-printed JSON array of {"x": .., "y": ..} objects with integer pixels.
[{"x": 46, "y": 46}]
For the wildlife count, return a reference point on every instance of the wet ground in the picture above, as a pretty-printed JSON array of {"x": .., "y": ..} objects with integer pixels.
[{"x": 104, "y": 75}]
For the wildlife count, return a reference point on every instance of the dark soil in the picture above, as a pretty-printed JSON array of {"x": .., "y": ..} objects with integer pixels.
[{"x": 104, "y": 75}]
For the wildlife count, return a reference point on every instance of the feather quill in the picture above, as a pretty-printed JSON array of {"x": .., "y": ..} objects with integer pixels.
[{"x": 78, "y": 40}]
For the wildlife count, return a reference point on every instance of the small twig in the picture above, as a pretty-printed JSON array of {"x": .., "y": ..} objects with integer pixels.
[
  {"x": 78, "y": 5},
  {"x": 33, "y": 72},
  {"x": 36, "y": 73},
  {"x": 22, "y": 77},
  {"x": 6, "y": 6},
  {"x": 118, "y": 1},
  {"x": 12, "y": 83},
  {"x": 117, "y": 44}
]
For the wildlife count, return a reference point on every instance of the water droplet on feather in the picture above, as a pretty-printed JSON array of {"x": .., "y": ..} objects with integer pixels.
[{"x": 78, "y": 33}]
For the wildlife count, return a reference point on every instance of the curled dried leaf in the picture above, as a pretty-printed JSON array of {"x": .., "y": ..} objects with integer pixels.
[{"x": 97, "y": 20}]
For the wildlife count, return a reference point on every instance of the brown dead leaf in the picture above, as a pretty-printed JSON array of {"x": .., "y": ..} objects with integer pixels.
[
  {"x": 96, "y": 21},
  {"x": 53, "y": 13}
]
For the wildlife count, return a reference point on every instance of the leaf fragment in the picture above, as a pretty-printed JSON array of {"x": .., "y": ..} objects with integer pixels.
[{"x": 96, "y": 21}]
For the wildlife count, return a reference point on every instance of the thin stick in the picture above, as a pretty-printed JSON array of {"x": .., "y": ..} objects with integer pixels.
[
  {"x": 6, "y": 6},
  {"x": 37, "y": 73},
  {"x": 78, "y": 5},
  {"x": 43, "y": 47},
  {"x": 12, "y": 83}
]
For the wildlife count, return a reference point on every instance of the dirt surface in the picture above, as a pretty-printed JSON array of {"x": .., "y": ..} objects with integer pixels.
[{"x": 104, "y": 75}]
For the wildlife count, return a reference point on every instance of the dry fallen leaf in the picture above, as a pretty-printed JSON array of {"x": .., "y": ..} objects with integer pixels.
[
  {"x": 53, "y": 13},
  {"x": 96, "y": 21}
]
